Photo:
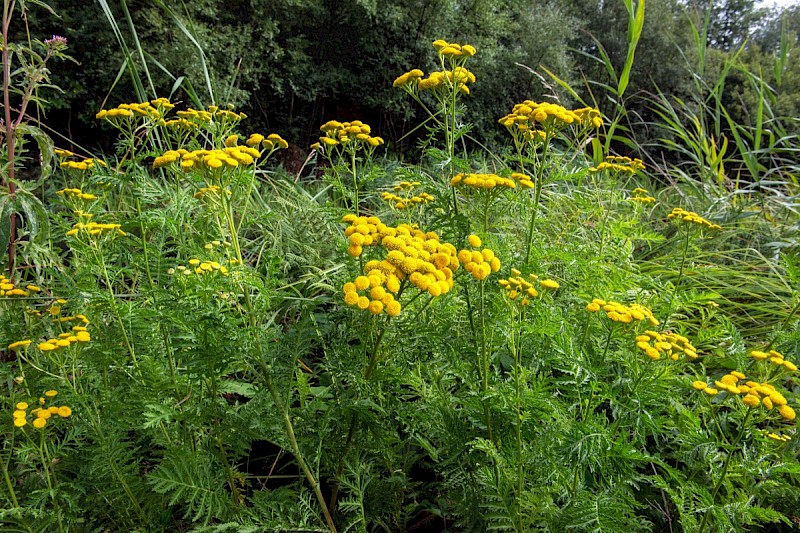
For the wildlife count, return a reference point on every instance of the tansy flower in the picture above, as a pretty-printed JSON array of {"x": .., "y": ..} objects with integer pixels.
[{"x": 691, "y": 217}]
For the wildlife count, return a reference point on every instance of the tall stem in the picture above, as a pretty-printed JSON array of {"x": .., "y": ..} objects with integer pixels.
[
  {"x": 298, "y": 454},
  {"x": 725, "y": 466},
  {"x": 8, "y": 8},
  {"x": 537, "y": 196},
  {"x": 354, "y": 170},
  {"x": 9, "y": 485},
  {"x": 677, "y": 283},
  {"x": 516, "y": 339},
  {"x": 485, "y": 363},
  {"x": 45, "y": 458},
  {"x": 351, "y": 432}
]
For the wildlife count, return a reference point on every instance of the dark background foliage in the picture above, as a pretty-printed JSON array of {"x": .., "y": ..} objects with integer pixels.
[{"x": 294, "y": 64}]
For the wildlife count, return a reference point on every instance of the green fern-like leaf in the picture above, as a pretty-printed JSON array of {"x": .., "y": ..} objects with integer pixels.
[{"x": 195, "y": 481}]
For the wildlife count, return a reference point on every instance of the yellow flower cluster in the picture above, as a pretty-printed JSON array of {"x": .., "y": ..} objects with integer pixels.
[
  {"x": 690, "y": 216},
  {"x": 63, "y": 154},
  {"x": 64, "y": 340},
  {"x": 642, "y": 196},
  {"x": 76, "y": 194},
  {"x": 409, "y": 77},
  {"x": 55, "y": 310},
  {"x": 523, "y": 119},
  {"x": 751, "y": 393},
  {"x": 86, "y": 164},
  {"x": 616, "y": 164},
  {"x": 41, "y": 414},
  {"x": 523, "y": 179},
  {"x": 775, "y": 436},
  {"x": 516, "y": 286},
  {"x": 459, "y": 77},
  {"x": 201, "y": 268},
  {"x": 131, "y": 111},
  {"x": 490, "y": 181},
  {"x": 339, "y": 133},
  {"x": 181, "y": 124},
  {"x": 590, "y": 117},
  {"x": 230, "y": 156},
  {"x": 273, "y": 141},
  {"x": 622, "y": 313},
  {"x": 212, "y": 114},
  {"x": 656, "y": 344},
  {"x": 212, "y": 191},
  {"x": 7, "y": 288},
  {"x": 446, "y": 49},
  {"x": 479, "y": 263},
  {"x": 419, "y": 258},
  {"x": 776, "y": 358},
  {"x": 377, "y": 296},
  {"x": 95, "y": 228},
  {"x": 407, "y": 198}
]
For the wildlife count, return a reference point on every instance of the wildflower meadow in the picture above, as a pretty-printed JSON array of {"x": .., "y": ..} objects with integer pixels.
[{"x": 550, "y": 333}]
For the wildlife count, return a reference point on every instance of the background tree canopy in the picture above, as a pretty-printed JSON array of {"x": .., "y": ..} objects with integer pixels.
[{"x": 293, "y": 64}]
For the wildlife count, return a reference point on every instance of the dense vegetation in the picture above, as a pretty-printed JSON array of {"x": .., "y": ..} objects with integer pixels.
[{"x": 570, "y": 304}]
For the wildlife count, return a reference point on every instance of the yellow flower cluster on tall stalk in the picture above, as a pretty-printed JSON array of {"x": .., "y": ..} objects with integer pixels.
[
  {"x": 446, "y": 87},
  {"x": 490, "y": 181},
  {"x": 479, "y": 263},
  {"x": 133, "y": 112},
  {"x": 622, "y": 313},
  {"x": 355, "y": 134},
  {"x": 76, "y": 194},
  {"x": 641, "y": 196},
  {"x": 486, "y": 188},
  {"x": 7, "y": 288},
  {"x": 79, "y": 334},
  {"x": 83, "y": 165},
  {"x": 343, "y": 144},
  {"x": 751, "y": 393},
  {"x": 200, "y": 268},
  {"x": 531, "y": 122},
  {"x": 535, "y": 124},
  {"x": 94, "y": 229},
  {"x": 208, "y": 160},
  {"x": 522, "y": 290},
  {"x": 409, "y": 257},
  {"x": 145, "y": 122},
  {"x": 615, "y": 165},
  {"x": 692, "y": 217},
  {"x": 407, "y": 196},
  {"x": 668, "y": 344},
  {"x": 40, "y": 415},
  {"x": 775, "y": 357}
]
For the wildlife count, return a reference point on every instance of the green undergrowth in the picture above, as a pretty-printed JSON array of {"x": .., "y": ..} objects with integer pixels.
[{"x": 532, "y": 339}]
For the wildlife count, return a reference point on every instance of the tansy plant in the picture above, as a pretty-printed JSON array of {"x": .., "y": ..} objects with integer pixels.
[
  {"x": 759, "y": 402},
  {"x": 446, "y": 88},
  {"x": 32, "y": 426},
  {"x": 533, "y": 127},
  {"x": 689, "y": 225},
  {"x": 345, "y": 145}
]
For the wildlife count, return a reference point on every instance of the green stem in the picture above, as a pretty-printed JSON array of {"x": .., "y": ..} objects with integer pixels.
[
  {"x": 354, "y": 171},
  {"x": 485, "y": 363},
  {"x": 537, "y": 196},
  {"x": 516, "y": 336},
  {"x": 45, "y": 458},
  {"x": 114, "y": 308},
  {"x": 677, "y": 282},
  {"x": 298, "y": 455},
  {"x": 7, "y": 478},
  {"x": 373, "y": 360},
  {"x": 725, "y": 466}
]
